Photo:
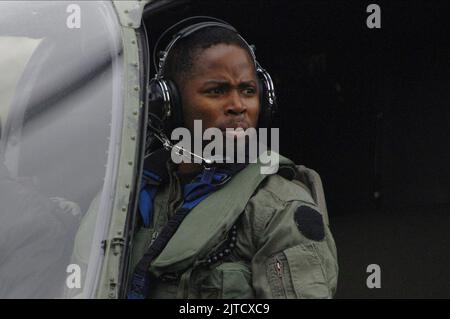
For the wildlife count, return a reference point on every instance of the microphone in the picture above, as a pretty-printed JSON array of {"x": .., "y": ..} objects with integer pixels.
[{"x": 168, "y": 145}]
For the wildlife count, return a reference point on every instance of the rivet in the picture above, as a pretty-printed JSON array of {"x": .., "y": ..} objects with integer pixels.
[
  {"x": 135, "y": 112},
  {"x": 221, "y": 255},
  {"x": 133, "y": 138},
  {"x": 130, "y": 24},
  {"x": 125, "y": 11},
  {"x": 136, "y": 88},
  {"x": 124, "y": 209},
  {"x": 127, "y": 186},
  {"x": 231, "y": 245},
  {"x": 227, "y": 251},
  {"x": 215, "y": 258},
  {"x": 233, "y": 238},
  {"x": 133, "y": 42},
  {"x": 130, "y": 163}
]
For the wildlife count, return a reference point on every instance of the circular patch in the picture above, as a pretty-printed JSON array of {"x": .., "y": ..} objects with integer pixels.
[{"x": 310, "y": 223}]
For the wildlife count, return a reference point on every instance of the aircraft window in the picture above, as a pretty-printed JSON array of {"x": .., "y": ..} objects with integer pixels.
[
  {"x": 14, "y": 55},
  {"x": 60, "y": 87}
]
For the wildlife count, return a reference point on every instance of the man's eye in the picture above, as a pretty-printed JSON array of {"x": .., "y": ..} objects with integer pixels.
[
  {"x": 215, "y": 91},
  {"x": 249, "y": 91}
]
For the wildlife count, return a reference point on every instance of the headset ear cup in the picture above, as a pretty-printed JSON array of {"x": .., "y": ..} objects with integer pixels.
[
  {"x": 267, "y": 109},
  {"x": 262, "y": 120},
  {"x": 156, "y": 104},
  {"x": 176, "y": 118},
  {"x": 164, "y": 107}
]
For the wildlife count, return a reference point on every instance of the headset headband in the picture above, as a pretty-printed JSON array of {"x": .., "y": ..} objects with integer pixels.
[{"x": 213, "y": 22}]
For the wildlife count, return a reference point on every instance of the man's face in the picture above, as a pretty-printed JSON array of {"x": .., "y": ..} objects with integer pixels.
[{"x": 222, "y": 89}]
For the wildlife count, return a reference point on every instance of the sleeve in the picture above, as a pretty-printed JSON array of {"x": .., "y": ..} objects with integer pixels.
[{"x": 295, "y": 252}]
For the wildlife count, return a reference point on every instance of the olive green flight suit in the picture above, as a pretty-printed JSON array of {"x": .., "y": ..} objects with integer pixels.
[{"x": 281, "y": 247}]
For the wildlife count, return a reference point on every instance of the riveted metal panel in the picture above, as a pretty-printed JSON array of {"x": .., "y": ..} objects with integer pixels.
[
  {"x": 109, "y": 281},
  {"x": 130, "y": 12}
]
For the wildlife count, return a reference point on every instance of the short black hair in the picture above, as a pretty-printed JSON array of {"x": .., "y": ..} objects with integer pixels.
[{"x": 181, "y": 58}]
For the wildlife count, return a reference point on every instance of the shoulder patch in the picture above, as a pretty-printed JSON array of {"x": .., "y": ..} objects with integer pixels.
[{"x": 309, "y": 222}]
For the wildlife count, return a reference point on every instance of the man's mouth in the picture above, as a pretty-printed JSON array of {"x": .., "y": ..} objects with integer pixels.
[{"x": 235, "y": 126}]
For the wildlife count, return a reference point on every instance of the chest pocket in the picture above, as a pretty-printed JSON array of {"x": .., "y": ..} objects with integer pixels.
[{"x": 230, "y": 280}]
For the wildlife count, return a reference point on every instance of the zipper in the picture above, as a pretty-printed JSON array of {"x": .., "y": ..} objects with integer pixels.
[
  {"x": 279, "y": 271},
  {"x": 279, "y": 268}
]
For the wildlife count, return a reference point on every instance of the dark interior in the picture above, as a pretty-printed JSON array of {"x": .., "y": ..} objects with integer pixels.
[{"x": 368, "y": 109}]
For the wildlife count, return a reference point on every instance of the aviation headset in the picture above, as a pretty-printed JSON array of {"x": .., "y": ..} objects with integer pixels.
[{"x": 165, "y": 108}]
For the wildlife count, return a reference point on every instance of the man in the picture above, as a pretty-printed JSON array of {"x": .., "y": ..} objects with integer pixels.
[{"x": 277, "y": 246}]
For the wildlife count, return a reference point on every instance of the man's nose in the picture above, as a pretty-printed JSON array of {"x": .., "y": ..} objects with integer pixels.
[{"x": 235, "y": 104}]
